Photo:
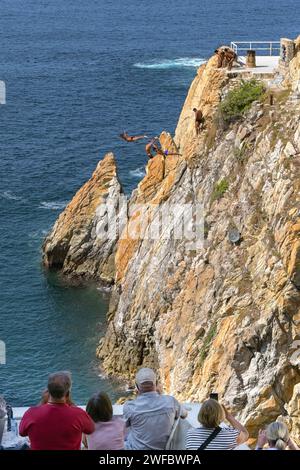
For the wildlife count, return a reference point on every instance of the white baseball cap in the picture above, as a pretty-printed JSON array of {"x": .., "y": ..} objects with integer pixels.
[{"x": 145, "y": 375}]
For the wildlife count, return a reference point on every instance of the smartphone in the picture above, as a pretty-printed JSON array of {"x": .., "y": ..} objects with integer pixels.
[{"x": 214, "y": 396}]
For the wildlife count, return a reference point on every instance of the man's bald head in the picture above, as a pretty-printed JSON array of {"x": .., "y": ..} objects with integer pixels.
[{"x": 59, "y": 384}]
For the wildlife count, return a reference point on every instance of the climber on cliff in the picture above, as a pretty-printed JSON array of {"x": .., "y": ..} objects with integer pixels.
[
  {"x": 132, "y": 138},
  {"x": 199, "y": 120},
  {"x": 221, "y": 55},
  {"x": 162, "y": 152},
  {"x": 229, "y": 57},
  {"x": 152, "y": 146},
  {"x": 226, "y": 57},
  {"x": 149, "y": 147}
]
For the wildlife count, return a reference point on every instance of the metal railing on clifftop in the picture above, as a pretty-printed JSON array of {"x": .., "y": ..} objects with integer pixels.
[{"x": 265, "y": 47}]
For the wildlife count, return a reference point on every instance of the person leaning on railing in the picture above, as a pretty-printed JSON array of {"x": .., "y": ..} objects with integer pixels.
[
  {"x": 109, "y": 431},
  {"x": 210, "y": 435},
  {"x": 151, "y": 416},
  {"x": 56, "y": 424}
]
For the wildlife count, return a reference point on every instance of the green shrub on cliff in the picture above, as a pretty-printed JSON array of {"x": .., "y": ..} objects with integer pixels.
[
  {"x": 240, "y": 99},
  {"x": 219, "y": 189},
  {"x": 206, "y": 343}
]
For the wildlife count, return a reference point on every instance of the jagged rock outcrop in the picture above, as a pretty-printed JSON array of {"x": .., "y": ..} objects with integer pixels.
[
  {"x": 76, "y": 245},
  {"x": 225, "y": 317},
  {"x": 222, "y": 316},
  {"x": 293, "y": 74},
  {"x": 204, "y": 93}
]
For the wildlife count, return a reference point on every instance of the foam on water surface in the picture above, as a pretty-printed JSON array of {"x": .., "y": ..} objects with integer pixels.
[{"x": 171, "y": 63}]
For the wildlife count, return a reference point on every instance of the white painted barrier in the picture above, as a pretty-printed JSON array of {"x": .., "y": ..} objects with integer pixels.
[{"x": 175, "y": 442}]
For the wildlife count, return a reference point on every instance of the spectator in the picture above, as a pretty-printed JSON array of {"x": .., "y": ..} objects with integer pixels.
[
  {"x": 276, "y": 436},
  {"x": 2, "y": 417},
  {"x": 56, "y": 425},
  {"x": 151, "y": 416},
  {"x": 45, "y": 398},
  {"x": 109, "y": 430},
  {"x": 210, "y": 436}
]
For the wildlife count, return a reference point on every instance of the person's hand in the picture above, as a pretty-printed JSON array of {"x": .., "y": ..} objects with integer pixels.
[
  {"x": 262, "y": 438},
  {"x": 226, "y": 411},
  {"x": 291, "y": 445}
]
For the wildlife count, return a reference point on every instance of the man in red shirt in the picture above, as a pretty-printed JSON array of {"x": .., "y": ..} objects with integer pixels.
[{"x": 56, "y": 425}]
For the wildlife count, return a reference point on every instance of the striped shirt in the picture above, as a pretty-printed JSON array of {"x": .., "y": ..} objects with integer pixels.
[{"x": 225, "y": 440}]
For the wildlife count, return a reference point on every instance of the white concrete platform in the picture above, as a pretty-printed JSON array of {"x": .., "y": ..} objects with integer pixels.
[{"x": 264, "y": 65}]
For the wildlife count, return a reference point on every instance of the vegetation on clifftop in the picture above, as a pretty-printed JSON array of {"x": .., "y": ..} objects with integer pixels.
[{"x": 240, "y": 99}]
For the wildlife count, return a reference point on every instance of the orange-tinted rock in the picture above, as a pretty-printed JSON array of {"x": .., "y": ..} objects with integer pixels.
[
  {"x": 223, "y": 317},
  {"x": 74, "y": 245},
  {"x": 204, "y": 94}
]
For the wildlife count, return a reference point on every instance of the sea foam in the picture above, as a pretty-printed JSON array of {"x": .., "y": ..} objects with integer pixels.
[
  {"x": 54, "y": 205},
  {"x": 10, "y": 196},
  {"x": 138, "y": 172},
  {"x": 171, "y": 63}
]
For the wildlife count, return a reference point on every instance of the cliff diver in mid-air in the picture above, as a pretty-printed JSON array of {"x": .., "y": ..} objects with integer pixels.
[{"x": 132, "y": 138}]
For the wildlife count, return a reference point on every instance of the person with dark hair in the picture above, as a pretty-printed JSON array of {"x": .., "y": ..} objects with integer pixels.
[
  {"x": 220, "y": 54},
  {"x": 132, "y": 138},
  {"x": 109, "y": 430},
  {"x": 229, "y": 57},
  {"x": 163, "y": 153},
  {"x": 149, "y": 147},
  {"x": 199, "y": 120},
  {"x": 56, "y": 425},
  {"x": 46, "y": 396}
]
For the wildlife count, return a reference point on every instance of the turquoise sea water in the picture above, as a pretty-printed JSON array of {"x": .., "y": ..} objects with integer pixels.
[{"x": 77, "y": 73}]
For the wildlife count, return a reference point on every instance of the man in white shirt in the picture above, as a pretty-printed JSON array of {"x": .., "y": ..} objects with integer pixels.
[{"x": 151, "y": 416}]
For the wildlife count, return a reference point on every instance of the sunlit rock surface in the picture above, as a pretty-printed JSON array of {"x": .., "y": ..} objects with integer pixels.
[{"x": 224, "y": 317}]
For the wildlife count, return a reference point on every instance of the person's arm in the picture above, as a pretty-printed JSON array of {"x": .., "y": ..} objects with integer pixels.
[
  {"x": 261, "y": 440},
  {"x": 292, "y": 445},
  {"x": 244, "y": 435},
  {"x": 84, "y": 441},
  {"x": 24, "y": 424},
  {"x": 180, "y": 411},
  {"x": 87, "y": 424},
  {"x": 126, "y": 415},
  {"x": 183, "y": 412}
]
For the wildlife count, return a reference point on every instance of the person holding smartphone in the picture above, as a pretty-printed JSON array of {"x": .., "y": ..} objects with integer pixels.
[
  {"x": 151, "y": 416},
  {"x": 210, "y": 435}
]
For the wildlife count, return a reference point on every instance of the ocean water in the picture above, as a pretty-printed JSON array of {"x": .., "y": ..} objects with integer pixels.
[{"x": 77, "y": 73}]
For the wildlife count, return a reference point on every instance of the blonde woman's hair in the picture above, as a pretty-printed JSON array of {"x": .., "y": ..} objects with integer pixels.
[
  {"x": 278, "y": 435},
  {"x": 211, "y": 414}
]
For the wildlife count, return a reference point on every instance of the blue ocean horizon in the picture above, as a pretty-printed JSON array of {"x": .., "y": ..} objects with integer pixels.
[{"x": 76, "y": 75}]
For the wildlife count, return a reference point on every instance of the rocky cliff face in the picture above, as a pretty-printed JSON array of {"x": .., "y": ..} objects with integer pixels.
[
  {"x": 73, "y": 245},
  {"x": 224, "y": 316}
]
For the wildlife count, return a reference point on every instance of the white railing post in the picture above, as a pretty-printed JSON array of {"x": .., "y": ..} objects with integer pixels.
[{"x": 268, "y": 46}]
